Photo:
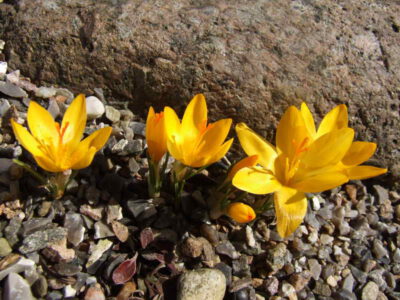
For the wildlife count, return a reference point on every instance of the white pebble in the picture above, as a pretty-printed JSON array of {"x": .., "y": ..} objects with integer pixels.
[
  {"x": 94, "y": 108},
  {"x": 3, "y": 70}
]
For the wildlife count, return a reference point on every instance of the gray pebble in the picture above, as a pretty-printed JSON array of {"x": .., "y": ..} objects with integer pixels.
[
  {"x": 16, "y": 287},
  {"x": 12, "y": 90},
  {"x": 112, "y": 114}
]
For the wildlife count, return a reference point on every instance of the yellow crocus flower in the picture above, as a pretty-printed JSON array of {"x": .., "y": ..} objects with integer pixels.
[
  {"x": 57, "y": 148},
  {"x": 193, "y": 142},
  {"x": 305, "y": 160},
  {"x": 240, "y": 212},
  {"x": 155, "y": 135}
]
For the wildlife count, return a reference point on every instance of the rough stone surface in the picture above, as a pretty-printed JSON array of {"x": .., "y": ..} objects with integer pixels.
[
  {"x": 252, "y": 61},
  {"x": 202, "y": 284},
  {"x": 16, "y": 287}
]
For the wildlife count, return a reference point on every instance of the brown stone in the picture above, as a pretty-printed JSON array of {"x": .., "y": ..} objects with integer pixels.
[
  {"x": 251, "y": 61},
  {"x": 120, "y": 230},
  {"x": 95, "y": 293}
]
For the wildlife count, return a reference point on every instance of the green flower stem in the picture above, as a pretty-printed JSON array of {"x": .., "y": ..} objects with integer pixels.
[
  {"x": 28, "y": 168},
  {"x": 180, "y": 174},
  {"x": 156, "y": 176}
]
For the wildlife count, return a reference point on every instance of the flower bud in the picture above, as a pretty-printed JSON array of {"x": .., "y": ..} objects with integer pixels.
[
  {"x": 240, "y": 212},
  {"x": 249, "y": 161}
]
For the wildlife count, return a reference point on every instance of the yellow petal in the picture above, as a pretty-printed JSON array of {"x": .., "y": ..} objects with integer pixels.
[
  {"x": 86, "y": 159},
  {"x": 201, "y": 160},
  {"x": 358, "y": 153},
  {"x": 174, "y": 139},
  {"x": 175, "y": 150},
  {"x": 155, "y": 135},
  {"x": 319, "y": 180},
  {"x": 26, "y": 139},
  {"x": 335, "y": 119},
  {"x": 47, "y": 164},
  {"x": 74, "y": 121},
  {"x": 328, "y": 149},
  {"x": 149, "y": 121},
  {"x": 195, "y": 115},
  {"x": 172, "y": 123},
  {"x": 291, "y": 132},
  {"x": 220, "y": 153},
  {"x": 253, "y": 144},
  {"x": 364, "y": 172},
  {"x": 308, "y": 119},
  {"x": 213, "y": 137},
  {"x": 84, "y": 153},
  {"x": 256, "y": 180},
  {"x": 249, "y": 161},
  {"x": 240, "y": 212},
  {"x": 290, "y": 209},
  {"x": 41, "y": 124}
]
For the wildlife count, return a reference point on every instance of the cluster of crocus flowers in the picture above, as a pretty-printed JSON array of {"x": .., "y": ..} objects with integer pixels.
[
  {"x": 59, "y": 148},
  {"x": 156, "y": 148},
  {"x": 304, "y": 160}
]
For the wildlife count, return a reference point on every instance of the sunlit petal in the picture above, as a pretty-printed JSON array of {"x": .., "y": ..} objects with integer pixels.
[
  {"x": 358, "y": 153},
  {"x": 26, "y": 139},
  {"x": 308, "y": 119},
  {"x": 41, "y": 124},
  {"x": 253, "y": 144},
  {"x": 256, "y": 180},
  {"x": 172, "y": 123},
  {"x": 336, "y": 119},
  {"x": 95, "y": 142},
  {"x": 74, "y": 121},
  {"x": 328, "y": 149},
  {"x": 319, "y": 180},
  {"x": 200, "y": 160},
  {"x": 85, "y": 160},
  {"x": 47, "y": 164},
  {"x": 195, "y": 115},
  {"x": 290, "y": 209},
  {"x": 364, "y": 172},
  {"x": 213, "y": 138},
  {"x": 291, "y": 132}
]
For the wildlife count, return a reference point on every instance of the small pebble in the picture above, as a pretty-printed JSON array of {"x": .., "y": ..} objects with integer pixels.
[
  {"x": 201, "y": 284},
  {"x": 3, "y": 69},
  {"x": 45, "y": 92},
  {"x": 370, "y": 291},
  {"x": 112, "y": 114},
  {"x": 12, "y": 90},
  {"x": 94, "y": 108}
]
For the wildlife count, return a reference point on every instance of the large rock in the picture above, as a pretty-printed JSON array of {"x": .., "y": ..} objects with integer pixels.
[{"x": 251, "y": 61}]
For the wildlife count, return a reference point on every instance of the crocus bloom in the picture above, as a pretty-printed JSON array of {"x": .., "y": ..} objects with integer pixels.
[
  {"x": 155, "y": 135},
  {"x": 240, "y": 212},
  {"x": 305, "y": 160},
  {"x": 55, "y": 147},
  {"x": 193, "y": 142}
]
